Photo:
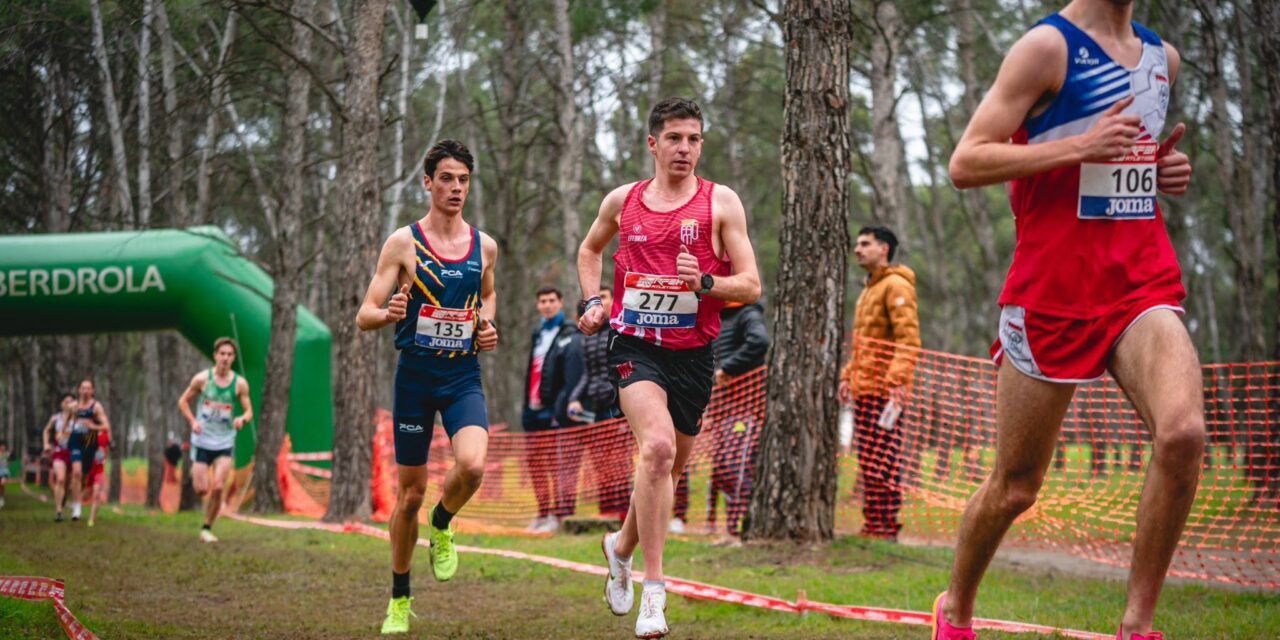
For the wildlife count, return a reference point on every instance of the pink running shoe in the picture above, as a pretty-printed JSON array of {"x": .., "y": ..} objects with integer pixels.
[
  {"x": 1154, "y": 635},
  {"x": 943, "y": 630}
]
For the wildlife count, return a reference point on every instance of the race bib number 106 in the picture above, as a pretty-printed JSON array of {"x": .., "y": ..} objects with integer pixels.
[
  {"x": 1122, "y": 189},
  {"x": 658, "y": 302}
]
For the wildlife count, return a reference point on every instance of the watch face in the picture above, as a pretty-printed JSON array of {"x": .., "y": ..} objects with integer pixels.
[{"x": 707, "y": 281}]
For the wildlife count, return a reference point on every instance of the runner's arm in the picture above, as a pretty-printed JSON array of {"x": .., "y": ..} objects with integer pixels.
[
  {"x": 242, "y": 392},
  {"x": 744, "y": 285},
  {"x": 46, "y": 439},
  {"x": 488, "y": 286},
  {"x": 1034, "y": 68},
  {"x": 591, "y": 252},
  {"x": 193, "y": 390},
  {"x": 373, "y": 314},
  {"x": 103, "y": 424},
  {"x": 487, "y": 336}
]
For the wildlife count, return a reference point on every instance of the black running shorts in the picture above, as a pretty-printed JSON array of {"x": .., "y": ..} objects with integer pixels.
[{"x": 685, "y": 375}]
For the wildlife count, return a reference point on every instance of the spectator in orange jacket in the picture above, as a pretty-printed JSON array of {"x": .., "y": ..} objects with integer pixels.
[{"x": 886, "y": 342}]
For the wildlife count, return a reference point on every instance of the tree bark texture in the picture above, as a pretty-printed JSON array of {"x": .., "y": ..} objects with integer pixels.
[
  {"x": 1267, "y": 16},
  {"x": 286, "y": 264},
  {"x": 356, "y": 222},
  {"x": 569, "y": 169},
  {"x": 120, "y": 165},
  {"x": 795, "y": 481},
  {"x": 887, "y": 153}
]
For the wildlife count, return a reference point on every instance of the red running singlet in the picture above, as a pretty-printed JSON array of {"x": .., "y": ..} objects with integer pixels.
[{"x": 649, "y": 301}]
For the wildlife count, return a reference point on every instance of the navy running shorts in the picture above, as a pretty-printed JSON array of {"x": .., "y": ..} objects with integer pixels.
[
  {"x": 427, "y": 385},
  {"x": 201, "y": 455}
]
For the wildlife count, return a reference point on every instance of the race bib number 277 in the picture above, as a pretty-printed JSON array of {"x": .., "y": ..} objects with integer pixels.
[{"x": 658, "y": 302}]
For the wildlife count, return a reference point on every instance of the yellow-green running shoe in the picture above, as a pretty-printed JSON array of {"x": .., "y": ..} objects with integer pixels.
[
  {"x": 398, "y": 612},
  {"x": 444, "y": 557}
]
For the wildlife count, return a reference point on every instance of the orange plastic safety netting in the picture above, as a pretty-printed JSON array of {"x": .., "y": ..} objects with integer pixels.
[{"x": 916, "y": 472}]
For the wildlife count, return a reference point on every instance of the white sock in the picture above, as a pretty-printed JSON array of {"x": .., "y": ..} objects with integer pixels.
[{"x": 655, "y": 585}]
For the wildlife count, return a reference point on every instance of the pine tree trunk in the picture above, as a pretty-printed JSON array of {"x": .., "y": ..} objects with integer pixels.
[
  {"x": 569, "y": 169},
  {"x": 217, "y": 97},
  {"x": 795, "y": 482},
  {"x": 399, "y": 181},
  {"x": 887, "y": 153},
  {"x": 1267, "y": 16},
  {"x": 179, "y": 211},
  {"x": 657, "y": 53},
  {"x": 286, "y": 267},
  {"x": 115, "y": 130},
  {"x": 356, "y": 222}
]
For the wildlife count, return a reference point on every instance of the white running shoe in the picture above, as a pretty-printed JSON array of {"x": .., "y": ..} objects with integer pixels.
[
  {"x": 652, "y": 622},
  {"x": 1, "y": 503},
  {"x": 207, "y": 536},
  {"x": 676, "y": 526},
  {"x": 619, "y": 593},
  {"x": 75, "y": 511},
  {"x": 537, "y": 524},
  {"x": 550, "y": 525}
]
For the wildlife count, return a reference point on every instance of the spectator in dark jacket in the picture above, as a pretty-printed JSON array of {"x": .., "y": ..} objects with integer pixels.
[
  {"x": 561, "y": 372},
  {"x": 538, "y": 417},
  {"x": 740, "y": 349},
  {"x": 743, "y": 342}
]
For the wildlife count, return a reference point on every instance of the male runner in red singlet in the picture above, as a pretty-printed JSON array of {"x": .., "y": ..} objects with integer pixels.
[
  {"x": 56, "y": 434},
  {"x": 1094, "y": 285},
  {"x": 682, "y": 254}
]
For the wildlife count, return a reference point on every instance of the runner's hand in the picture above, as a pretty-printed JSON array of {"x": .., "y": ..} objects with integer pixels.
[
  {"x": 592, "y": 320},
  {"x": 846, "y": 397},
  {"x": 687, "y": 269},
  {"x": 487, "y": 338},
  {"x": 1173, "y": 167},
  {"x": 722, "y": 377},
  {"x": 195, "y": 427},
  {"x": 1112, "y": 135},
  {"x": 238, "y": 423},
  {"x": 397, "y": 309}
]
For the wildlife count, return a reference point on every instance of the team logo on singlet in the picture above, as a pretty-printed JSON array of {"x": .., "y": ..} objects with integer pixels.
[
  {"x": 637, "y": 234},
  {"x": 688, "y": 230},
  {"x": 1083, "y": 57}
]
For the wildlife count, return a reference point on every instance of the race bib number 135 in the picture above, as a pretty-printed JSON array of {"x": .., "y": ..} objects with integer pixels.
[
  {"x": 445, "y": 329},
  {"x": 1122, "y": 189}
]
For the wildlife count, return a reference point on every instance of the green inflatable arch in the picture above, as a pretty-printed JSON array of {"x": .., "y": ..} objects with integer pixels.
[{"x": 192, "y": 280}]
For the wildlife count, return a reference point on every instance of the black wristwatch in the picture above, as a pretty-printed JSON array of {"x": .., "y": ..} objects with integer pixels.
[{"x": 708, "y": 281}]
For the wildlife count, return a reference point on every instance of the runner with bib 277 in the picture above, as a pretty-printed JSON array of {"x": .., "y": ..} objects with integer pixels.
[{"x": 683, "y": 253}]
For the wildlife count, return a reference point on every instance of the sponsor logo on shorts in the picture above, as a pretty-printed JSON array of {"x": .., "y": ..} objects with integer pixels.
[
  {"x": 625, "y": 370},
  {"x": 410, "y": 428},
  {"x": 1013, "y": 339}
]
